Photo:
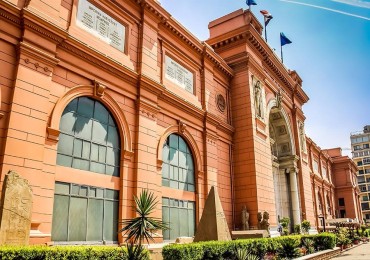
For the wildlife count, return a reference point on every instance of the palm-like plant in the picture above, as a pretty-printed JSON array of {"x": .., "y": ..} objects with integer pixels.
[{"x": 141, "y": 228}]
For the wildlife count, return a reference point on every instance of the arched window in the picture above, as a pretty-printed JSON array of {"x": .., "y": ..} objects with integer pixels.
[
  {"x": 88, "y": 141},
  {"x": 178, "y": 173},
  {"x": 178, "y": 165},
  {"x": 88, "y": 138}
]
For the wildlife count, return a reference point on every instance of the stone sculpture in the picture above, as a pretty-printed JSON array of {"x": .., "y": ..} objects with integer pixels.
[
  {"x": 245, "y": 218},
  {"x": 263, "y": 220},
  {"x": 16, "y": 210},
  {"x": 258, "y": 99},
  {"x": 212, "y": 225}
]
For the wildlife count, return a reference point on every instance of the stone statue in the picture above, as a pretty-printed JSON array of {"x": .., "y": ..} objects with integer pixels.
[
  {"x": 245, "y": 218},
  {"x": 279, "y": 99},
  {"x": 259, "y": 219},
  {"x": 302, "y": 137},
  {"x": 263, "y": 220},
  {"x": 258, "y": 99}
]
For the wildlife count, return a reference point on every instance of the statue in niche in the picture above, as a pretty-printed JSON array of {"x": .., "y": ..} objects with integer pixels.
[
  {"x": 279, "y": 99},
  {"x": 302, "y": 137},
  {"x": 258, "y": 99},
  {"x": 245, "y": 218},
  {"x": 263, "y": 220}
]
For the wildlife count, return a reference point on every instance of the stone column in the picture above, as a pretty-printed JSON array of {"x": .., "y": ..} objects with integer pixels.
[{"x": 296, "y": 211}]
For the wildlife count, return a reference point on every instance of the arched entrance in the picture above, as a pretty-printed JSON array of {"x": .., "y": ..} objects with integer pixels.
[{"x": 284, "y": 167}]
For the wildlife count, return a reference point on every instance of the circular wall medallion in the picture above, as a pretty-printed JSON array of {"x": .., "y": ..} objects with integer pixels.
[{"x": 221, "y": 103}]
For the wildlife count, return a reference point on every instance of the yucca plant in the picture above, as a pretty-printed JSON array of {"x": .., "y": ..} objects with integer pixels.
[
  {"x": 244, "y": 254},
  {"x": 141, "y": 228},
  {"x": 289, "y": 249},
  {"x": 309, "y": 245}
]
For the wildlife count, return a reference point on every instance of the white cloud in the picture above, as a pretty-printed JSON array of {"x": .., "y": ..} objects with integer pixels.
[
  {"x": 327, "y": 9},
  {"x": 357, "y": 3}
]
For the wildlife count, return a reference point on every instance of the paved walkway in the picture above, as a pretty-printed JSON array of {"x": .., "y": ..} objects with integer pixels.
[{"x": 359, "y": 252}]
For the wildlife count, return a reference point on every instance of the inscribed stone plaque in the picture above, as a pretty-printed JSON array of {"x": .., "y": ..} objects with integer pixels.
[
  {"x": 179, "y": 75},
  {"x": 101, "y": 25},
  {"x": 212, "y": 225},
  {"x": 16, "y": 210}
]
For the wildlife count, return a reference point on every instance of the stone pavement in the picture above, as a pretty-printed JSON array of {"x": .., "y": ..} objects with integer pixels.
[{"x": 359, "y": 252}]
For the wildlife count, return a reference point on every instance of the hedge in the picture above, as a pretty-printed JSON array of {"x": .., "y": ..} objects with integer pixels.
[
  {"x": 63, "y": 253},
  {"x": 226, "y": 250}
]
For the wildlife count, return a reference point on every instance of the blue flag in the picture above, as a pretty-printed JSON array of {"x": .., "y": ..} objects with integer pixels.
[
  {"x": 284, "y": 40},
  {"x": 251, "y": 2}
]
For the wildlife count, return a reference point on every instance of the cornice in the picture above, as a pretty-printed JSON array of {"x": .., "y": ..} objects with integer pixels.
[
  {"x": 183, "y": 34},
  {"x": 217, "y": 60},
  {"x": 43, "y": 27},
  {"x": 177, "y": 101},
  {"x": 95, "y": 57},
  {"x": 38, "y": 55},
  {"x": 147, "y": 109},
  {"x": 226, "y": 128},
  {"x": 151, "y": 85},
  {"x": 10, "y": 12}
]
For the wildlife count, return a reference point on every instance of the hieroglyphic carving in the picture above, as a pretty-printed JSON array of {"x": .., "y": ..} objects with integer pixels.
[{"x": 16, "y": 211}]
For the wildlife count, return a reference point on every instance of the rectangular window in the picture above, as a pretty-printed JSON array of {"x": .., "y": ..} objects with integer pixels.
[
  {"x": 342, "y": 213},
  {"x": 363, "y": 188},
  {"x": 361, "y": 172},
  {"x": 356, "y": 147},
  {"x": 359, "y": 163},
  {"x": 365, "y": 206},
  {"x": 341, "y": 202},
  {"x": 315, "y": 166},
  {"x": 367, "y": 171},
  {"x": 323, "y": 170},
  {"x": 360, "y": 179},
  {"x": 366, "y": 146},
  {"x": 366, "y": 160},
  {"x": 180, "y": 216},
  {"x": 84, "y": 213}
]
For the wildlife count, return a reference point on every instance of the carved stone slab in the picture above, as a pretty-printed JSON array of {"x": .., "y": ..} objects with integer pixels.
[
  {"x": 212, "y": 225},
  {"x": 16, "y": 210},
  {"x": 244, "y": 234}
]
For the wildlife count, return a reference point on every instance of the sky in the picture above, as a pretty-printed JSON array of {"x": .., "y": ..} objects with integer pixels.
[{"x": 330, "y": 52}]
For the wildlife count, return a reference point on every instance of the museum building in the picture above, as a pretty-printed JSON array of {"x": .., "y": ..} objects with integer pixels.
[{"x": 102, "y": 99}]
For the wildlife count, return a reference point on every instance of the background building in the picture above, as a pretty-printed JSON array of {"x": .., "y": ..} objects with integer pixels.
[
  {"x": 360, "y": 143},
  {"x": 101, "y": 99}
]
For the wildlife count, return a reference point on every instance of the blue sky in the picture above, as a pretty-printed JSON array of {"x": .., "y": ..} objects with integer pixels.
[{"x": 330, "y": 51}]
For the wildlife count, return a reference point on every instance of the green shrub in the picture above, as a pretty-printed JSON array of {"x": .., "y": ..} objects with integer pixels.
[
  {"x": 256, "y": 247},
  {"x": 289, "y": 248},
  {"x": 64, "y": 252},
  {"x": 284, "y": 222},
  {"x": 297, "y": 229},
  {"x": 306, "y": 225},
  {"x": 325, "y": 241}
]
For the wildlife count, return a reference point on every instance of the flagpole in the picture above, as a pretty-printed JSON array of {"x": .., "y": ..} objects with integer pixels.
[
  {"x": 281, "y": 53},
  {"x": 265, "y": 30}
]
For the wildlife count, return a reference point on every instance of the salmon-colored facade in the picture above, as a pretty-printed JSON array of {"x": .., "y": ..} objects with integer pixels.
[{"x": 102, "y": 99}]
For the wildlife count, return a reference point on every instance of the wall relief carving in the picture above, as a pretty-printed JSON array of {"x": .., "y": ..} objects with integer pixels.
[{"x": 16, "y": 211}]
